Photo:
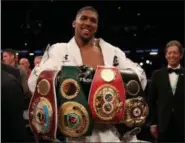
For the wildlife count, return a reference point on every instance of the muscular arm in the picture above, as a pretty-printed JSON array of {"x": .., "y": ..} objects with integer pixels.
[{"x": 125, "y": 63}]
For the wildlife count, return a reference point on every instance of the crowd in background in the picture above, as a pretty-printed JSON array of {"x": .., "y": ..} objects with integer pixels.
[
  {"x": 164, "y": 92},
  {"x": 21, "y": 70}
]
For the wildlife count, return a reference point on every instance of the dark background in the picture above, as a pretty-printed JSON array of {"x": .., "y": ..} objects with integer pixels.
[{"x": 135, "y": 27}]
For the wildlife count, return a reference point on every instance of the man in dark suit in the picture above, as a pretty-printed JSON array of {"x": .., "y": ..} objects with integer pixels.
[
  {"x": 167, "y": 97},
  {"x": 12, "y": 122},
  {"x": 9, "y": 58},
  {"x": 11, "y": 70}
]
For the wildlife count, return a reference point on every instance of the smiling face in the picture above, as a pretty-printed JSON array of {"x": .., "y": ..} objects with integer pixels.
[
  {"x": 173, "y": 56},
  {"x": 86, "y": 25}
]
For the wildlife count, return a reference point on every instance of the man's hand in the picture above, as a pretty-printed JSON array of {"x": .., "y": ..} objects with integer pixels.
[{"x": 154, "y": 131}]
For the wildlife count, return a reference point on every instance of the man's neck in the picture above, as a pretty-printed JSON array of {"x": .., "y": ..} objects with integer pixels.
[{"x": 81, "y": 44}]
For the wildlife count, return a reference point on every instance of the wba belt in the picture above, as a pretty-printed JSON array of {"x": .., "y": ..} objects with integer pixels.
[
  {"x": 43, "y": 106},
  {"x": 74, "y": 114}
]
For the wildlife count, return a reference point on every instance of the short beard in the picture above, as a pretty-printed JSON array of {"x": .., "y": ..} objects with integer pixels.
[{"x": 86, "y": 40}]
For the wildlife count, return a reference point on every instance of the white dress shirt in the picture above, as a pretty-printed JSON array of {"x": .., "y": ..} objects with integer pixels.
[{"x": 173, "y": 77}]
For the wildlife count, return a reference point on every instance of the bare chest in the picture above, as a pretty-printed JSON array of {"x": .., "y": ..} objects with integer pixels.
[{"x": 92, "y": 57}]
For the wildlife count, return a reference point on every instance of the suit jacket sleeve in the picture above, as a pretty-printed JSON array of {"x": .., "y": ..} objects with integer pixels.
[
  {"x": 12, "y": 70},
  {"x": 12, "y": 122},
  {"x": 153, "y": 97},
  {"x": 125, "y": 63}
]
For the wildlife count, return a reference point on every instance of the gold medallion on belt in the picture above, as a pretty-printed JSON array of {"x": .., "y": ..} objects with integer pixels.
[
  {"x": 43, "y": 87},
  {"x": 42, "y": 115},
  {"x": 136, "y": 111},
  {"x": 73, "y": 119},
  {"x": 69, "y": 88},
  {"x": 107, "y": 102}
]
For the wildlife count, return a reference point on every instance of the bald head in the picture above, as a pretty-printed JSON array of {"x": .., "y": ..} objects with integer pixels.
[{"x": 24, "y": 63}]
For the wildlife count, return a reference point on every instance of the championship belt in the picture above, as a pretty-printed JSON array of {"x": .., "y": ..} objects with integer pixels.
[
  {"x": 107, "y": 95},
  {"x": 136, "y": 109},
  {"x": 74, "y": 114},
  {"x": 136, "y": 112},
  {"x": 132, "y": 83},
  {"x": 43, "y": 107}
]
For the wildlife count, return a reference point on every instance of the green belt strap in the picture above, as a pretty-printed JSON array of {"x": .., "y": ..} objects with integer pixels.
[{"x": 70, "y": 74}]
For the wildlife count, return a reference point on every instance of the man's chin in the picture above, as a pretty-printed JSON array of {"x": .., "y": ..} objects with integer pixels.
[
  {"x": 86, "y": 39},
  {"x": 173, "y": 64}
]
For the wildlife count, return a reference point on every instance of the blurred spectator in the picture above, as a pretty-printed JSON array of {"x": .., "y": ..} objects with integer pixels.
[
  {"x": 24, "y": 63},
  {"x": 11, "y": 70},
  {"x": 37, "y": 60},
  {"x": 9, "y": 58},
  {"x": 12, "y": 123}
]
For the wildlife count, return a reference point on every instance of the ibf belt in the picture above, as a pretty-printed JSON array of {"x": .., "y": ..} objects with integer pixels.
[
  {"x": 136, "y": 111},
  {"x": 43, "y": 107},
  {"x": 107, "y": 95},
  {"x": 74, "y": 114}
]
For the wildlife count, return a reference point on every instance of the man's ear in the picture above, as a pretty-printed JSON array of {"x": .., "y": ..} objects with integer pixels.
[{"x": 74, "y": 24}]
